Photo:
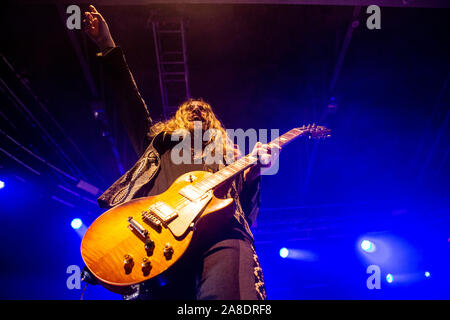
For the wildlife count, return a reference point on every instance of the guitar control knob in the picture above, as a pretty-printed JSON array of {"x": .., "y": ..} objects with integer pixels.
[
  {"x": 128, "y": 263},
  {"x": 146, "y": 263},
  {"x": 168, "y": 251},
  {"x": 146, "y": 266},
  {"x": 149, "y": 247}
]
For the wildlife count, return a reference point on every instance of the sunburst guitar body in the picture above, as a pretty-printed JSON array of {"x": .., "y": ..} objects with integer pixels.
[{"x": 142, "y": 238}]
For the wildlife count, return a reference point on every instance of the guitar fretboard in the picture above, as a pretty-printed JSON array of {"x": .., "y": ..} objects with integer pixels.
[{"x": 243, "y": 163}]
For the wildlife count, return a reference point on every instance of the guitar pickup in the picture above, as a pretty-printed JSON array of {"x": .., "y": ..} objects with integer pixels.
[
  {"x": 191, "y": 192},
  {"x": 163, "y": 212}
]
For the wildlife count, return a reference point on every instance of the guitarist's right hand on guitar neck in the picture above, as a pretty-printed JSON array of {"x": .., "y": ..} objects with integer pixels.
[{"x": 96, "y": 28}]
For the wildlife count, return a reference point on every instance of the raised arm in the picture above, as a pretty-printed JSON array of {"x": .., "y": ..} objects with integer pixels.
[{"x": 122, "y": 94}]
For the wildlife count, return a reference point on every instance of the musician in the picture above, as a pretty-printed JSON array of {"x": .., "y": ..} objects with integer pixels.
[{"x": 223, "y": 267}]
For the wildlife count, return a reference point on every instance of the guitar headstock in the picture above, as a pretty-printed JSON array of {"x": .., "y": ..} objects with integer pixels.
[{"x": 315, "y": 132}]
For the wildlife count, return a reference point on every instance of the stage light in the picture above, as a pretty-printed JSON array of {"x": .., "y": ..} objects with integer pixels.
[
  {"x": 162, "y": 282},
  {"x": 284, "y": 252},
  {"x": 427, "y": 274},
  {"x": 389, "y": 278},
  {"x": 76, "y": 223},
  {"x": 368, "y": 246},
  {"x": 79, "y": 227},
  {"x": 2, "y": 184}
]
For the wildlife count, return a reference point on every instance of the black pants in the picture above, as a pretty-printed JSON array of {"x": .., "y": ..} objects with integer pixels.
[{"x": 227, "y": 270}]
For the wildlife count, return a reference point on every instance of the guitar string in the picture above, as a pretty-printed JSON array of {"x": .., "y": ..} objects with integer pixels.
[
  {"x": 241, "y": 162},
  {"x": 235, "y": 165},
  {"x": 184, "y": 200},
  {"x": 180, "y": 204}
]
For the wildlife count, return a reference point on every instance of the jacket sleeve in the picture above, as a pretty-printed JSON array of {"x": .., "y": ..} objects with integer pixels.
[
  {"x": 122, "y": 97},
  {"x": 250, "y": 199}
]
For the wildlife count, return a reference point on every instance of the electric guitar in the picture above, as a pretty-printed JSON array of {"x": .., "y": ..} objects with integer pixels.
[{"x": 140, "y": 239}]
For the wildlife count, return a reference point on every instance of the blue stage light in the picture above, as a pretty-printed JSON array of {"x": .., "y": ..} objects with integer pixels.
[
  {"x": 162, "y": 282},
  {"x": 389, "y": 278},
  {"x": 367, "y": 246},
  {"x": 284, "y": 252},
  {"x": 2, "y": 184},
  {"x": 427, "y": 274},
  {"x": 76, "y": 223}
]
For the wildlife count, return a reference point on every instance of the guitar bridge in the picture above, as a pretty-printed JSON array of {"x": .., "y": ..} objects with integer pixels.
[
  {"x": 163, "y": 212},
  {"x": 152, "y": 220}
]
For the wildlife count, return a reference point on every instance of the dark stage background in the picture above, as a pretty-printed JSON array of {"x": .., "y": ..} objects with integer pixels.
[{"x": 382, "y": 176}]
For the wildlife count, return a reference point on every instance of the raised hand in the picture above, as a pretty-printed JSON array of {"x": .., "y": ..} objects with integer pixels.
[{"x": 95, "y": 26}]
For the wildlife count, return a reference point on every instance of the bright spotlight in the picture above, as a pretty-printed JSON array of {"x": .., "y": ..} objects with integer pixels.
[
  {"x": 427, "y": 274},
  {"x": 2, "y": 184},
  {"x": 284, "y": 252},
  {"x": 389, "y": 278},
  {"x": 76, "y": 223},
  {"x": 368, "y": 246}
]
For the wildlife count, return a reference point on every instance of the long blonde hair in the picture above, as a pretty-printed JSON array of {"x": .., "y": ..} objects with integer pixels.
[{"x": 181, "y": 121}]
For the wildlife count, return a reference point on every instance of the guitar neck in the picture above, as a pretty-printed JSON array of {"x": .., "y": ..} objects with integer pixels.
[{"x": 243, "y": 163}]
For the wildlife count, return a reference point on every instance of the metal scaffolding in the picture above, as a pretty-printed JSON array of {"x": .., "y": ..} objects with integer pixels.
[{"x": 171, "y": 59}]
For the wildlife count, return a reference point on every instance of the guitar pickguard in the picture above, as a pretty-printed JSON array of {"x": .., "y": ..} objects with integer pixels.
[{"x": 187, "y": 214}]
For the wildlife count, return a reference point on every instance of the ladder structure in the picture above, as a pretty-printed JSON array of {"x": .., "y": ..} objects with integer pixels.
[{"x": 171, "y": 59}]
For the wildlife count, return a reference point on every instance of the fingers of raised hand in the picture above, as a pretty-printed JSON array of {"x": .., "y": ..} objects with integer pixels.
[
  {"x": 93, "y": 9},
  {"x": 87, "y": 21},
  {"x": 88, "y": 16},
  {"x": 95, "y": 14},
  {"x": 92, "y": 16}
]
